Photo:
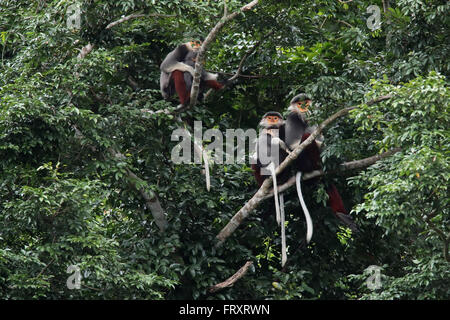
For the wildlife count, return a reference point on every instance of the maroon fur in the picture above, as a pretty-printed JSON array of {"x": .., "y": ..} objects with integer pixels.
[{"x": 180, "y": 86}]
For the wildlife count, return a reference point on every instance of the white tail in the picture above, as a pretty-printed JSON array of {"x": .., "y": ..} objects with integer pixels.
[
  {"x": 271, "y": 167},
  {"x": 283, "y": 233},
  {"x": 208, "y": 179},
  {"x": 309, "y": 225}
]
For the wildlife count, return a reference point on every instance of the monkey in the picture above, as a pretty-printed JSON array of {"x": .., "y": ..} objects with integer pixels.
[
  {"x": 270, "y": 152},
  {"x": 297, "y": 130},
  {"x": 177, "y": 72}
]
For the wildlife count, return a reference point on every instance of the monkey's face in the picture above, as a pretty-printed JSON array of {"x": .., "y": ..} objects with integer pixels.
[
  {"x": 301, "y": 106},
  {"x": 195, "y": 44},
  {"x": 271, "y": 121}
]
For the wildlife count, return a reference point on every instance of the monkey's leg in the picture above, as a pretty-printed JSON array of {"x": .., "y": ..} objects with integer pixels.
[
  {"x": 335, "y": 200},
  {"x": 180, "y": 86},
  {"x": 337, "y": 205}
]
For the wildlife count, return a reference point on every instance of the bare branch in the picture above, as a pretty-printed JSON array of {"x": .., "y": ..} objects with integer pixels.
[
  {"x": 363, "y": 163},
  {"x": 241, "y": 64},
  {"x": 202, "y": 51},
  {"x": 231, "y": 280},
  {"x": 88, "y": 48},
  {"x": 257, "y": 198},
  {"x": 134, "y": 16},
  {"x": 346, "y": 166},
  {"x": 85, "y": 51},
  {"x": 151, "y": 200}
]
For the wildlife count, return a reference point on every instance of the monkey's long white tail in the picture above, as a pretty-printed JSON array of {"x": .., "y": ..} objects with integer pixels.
[
  {"x": 283, "y": 233},
  {"x": 271, "y": 167},
  {"x": 207, "y": 176},
  {"x": 309, "y": 225}
]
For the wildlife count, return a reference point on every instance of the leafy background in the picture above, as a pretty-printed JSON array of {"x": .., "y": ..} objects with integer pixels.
[{"x": 64, "y": 201}]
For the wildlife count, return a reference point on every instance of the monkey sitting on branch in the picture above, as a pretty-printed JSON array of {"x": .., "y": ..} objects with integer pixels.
[
  {"x": 297, "y": 130},
  {"x": 177, "y": 72}
]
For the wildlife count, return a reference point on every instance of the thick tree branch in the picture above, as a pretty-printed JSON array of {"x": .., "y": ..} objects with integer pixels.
[
  {"x": 231, "y": 280},
  {"x": 149, "y": 196},
  {"x": 202, "y": 51},
  {"x": 346, "y": 166},
  {"x": 258, "y": 197},
  {"x": 85, "y": 51}
]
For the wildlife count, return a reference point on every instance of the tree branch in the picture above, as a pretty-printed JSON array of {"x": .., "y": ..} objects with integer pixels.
[
  {"x": 258, "y": 197},
  {"x": 231, "y": 280},
  {"x": 150, "y": 198},
  {"x": 85, "y": 51},
  {"x": 88, "y": 48},
  {"x": 134, "y": 16},
  {"x": 202, "y": 51},
  {"x": 346, "y": 166},
  {"x": 241, "y": 63}
]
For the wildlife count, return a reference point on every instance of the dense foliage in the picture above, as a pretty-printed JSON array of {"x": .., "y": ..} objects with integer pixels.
[{"x": 64, "y": 200}]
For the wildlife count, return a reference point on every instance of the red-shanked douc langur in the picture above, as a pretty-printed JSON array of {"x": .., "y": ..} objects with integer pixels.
[
  {"x": 297, "y": 130},
  {"x": 177, "y": 72}
]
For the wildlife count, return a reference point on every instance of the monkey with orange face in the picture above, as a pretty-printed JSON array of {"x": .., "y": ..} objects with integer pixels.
[
  {"x": 270, "y": 152},
  {"x": 298, "y": 130}
]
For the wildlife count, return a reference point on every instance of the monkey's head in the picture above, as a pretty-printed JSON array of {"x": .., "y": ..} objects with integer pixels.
[
  {"x": 272, "y": 120},
  {"x": 300, "y": 104}
]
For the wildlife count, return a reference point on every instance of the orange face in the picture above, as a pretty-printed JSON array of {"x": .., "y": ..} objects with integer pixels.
[
  {"x": 303, "y": 105},
  {"x": 272, "y": 119},
  {"x": 195, "y": 44}
]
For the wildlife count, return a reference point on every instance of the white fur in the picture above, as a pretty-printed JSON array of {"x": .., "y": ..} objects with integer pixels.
[
  {"x": 283, "y": 232},
  {"x": 309, "y": 225},
  {"x": 211, "y": 76},
  {"x": 271, "y": 167},
  {"x": 181, "y": 67},
  {"x": 207, "y": 175}
]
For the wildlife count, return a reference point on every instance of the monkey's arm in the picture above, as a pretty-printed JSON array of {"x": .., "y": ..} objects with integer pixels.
[{"x": 281, "y": 144}]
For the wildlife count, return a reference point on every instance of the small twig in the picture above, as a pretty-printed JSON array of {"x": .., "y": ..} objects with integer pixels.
[
  {"x": 241, "y": 63},
  {"x": 346, "y": 23},
  {"x": 134, "y": 16},
  {"x": 231, "y": 280},
  {"x": 45, "y": 268}
]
